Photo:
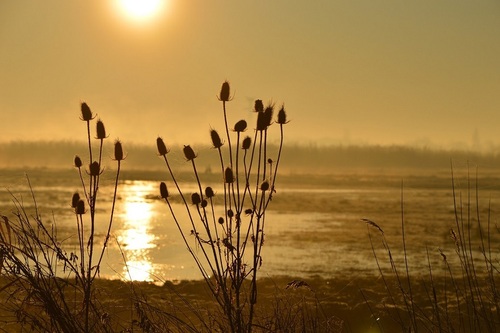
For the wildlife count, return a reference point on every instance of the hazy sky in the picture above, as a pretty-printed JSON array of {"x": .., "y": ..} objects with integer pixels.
[{"x": 351, "y": 71}]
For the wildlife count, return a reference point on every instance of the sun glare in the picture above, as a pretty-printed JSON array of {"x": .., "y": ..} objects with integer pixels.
[
  {"x": 141, "y": 10},
  {"x": 135, "y": 236}
]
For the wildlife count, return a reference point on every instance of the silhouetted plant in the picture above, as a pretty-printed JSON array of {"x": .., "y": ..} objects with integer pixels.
[
  {"x": 226, "y": 231},
  {"x": 50, "y": 288},
  {"x": 461, "y": 295}
]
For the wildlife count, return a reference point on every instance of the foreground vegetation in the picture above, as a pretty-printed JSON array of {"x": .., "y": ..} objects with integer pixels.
[{"x": 48, "y": 286}]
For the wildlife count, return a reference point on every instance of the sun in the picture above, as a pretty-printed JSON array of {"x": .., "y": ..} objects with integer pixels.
[{"x": 141, "y": 10}]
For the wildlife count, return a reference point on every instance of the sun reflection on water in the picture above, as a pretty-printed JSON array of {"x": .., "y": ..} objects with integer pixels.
[{"x": 135, "y": 237}]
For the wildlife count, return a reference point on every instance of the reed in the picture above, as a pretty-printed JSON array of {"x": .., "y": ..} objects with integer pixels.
[
  {"x": 458, "y": 295},
  {"x": 225, "y": 232}
]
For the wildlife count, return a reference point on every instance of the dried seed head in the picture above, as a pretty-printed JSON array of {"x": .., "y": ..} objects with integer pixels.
[
  {"x": 270, "y": 161},
  {"x": 261, "y": 122},
  {"x": 75, "y": 199},
  {"x": 227, "y": 243},
  {"x": 248, "y": 211},
  {"x": 118, "y": 151},
  {"x": 163, "y": 190},
  {"x": 264, "y": 186},
  {"x": 259, "y": 106},
  {"x": 80, "y": 207},
  {"x": 228, "y": 175},
  {"x": 240, "y": 126},
  {"x": 216, "y": 140},
  {"x": 221, "y": 220},
  {"x": 204, "y": 203},
  {"x": 224, "y": 92},
  {"x": 195, "y": 198},
  {"x": 95, "y": 169},
  {"x": 209, "y": 192},
  {"x": 162, "y": 149},
  {"x": 442, "y": 254},
  {"x": 373, "y": 224},
  {"x": 100, "y": 130},
  {"x": 78, "y": 162},
  {"x": 282, "y": 116},
  {"x": 268, "y": 112},
  {"x": 230, "y": 213},
  {"x": 189, "y": 153},
  {"x": 246, "y": 143},
  {"x": 86, "y": 113},
  {"x": 265, "y": 118}
]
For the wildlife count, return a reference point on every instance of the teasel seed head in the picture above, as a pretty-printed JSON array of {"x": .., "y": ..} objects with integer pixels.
[
  {"x": 221, "y": 220},
  {"x": 228, "y": 175},
  {"x": 86, "y": 113},
  {"x": 100, "y": 130},
  {"x": 163, "y": 190},
  {"x": 240, "y": 126},
  {"x": 225, "y": 92},
  {"x": 259, "y": 106},
  {"x": 78, "y": 162},
  {"x": 204, "y": 203},
  {"x": 265, "y": 118},
  {"x": 247, "y": 141},
  {"x": 118, "y": 151},
  {"x": 189, "y": 153},
  {"x": 209, "y": 192},
  {"x": 230, "y": 213},
  {"x": 195, "y": 198},
  {"x": 261, "y": 121},
  {"x": 80, "y": 207},
  {"x": 216, "y": 140},
  {"x": 248, "y": 211},
  {"x": 95, "y": 169},
  {"x": 75, "y": 199},
  {"x": 264, "y": 186},
  {"x": 268, "y": 112},
  {"x": 269, "y": 161},
  {"x": 282, "y": 116},
  {"x": 162, "y": 149}
]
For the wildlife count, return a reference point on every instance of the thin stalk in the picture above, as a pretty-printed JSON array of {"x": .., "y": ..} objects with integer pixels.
[
  {"x": 265, "y": 156},
  {"x": 188, "y": 246},
  {"x": 479, "y": 293},
  {"x": 279, "y": 155},
  {"x": 435, "y": 304},
  {"x": 83, "y": 184},
  {"x": 108, "y": 233},
  {"x": 227, "y": 134},
  {"x": 461, "y": 252},
  {"x": 371, "y": 311},
  {"x": 254, "y": 144},
  {"x": 200, "y": 266},
  {"x": 239, "y": 266},
  {"x": 271, "y": 193},
  {"x": 412, "y": 312},
  {"x": 492, "y": 268},
  {"x": 256, "y": 261},
  {"x": 207, "y": 226},
  {"x": 90, "y": 158},
  {"x": 195, "y": 230},
  {"x": 217, "y": 239},
  {"x": 382, "y": 275}
]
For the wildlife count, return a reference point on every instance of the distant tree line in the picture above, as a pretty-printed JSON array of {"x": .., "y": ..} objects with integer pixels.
[
  {"x": 296, "y": 158},
  {"x": 380, "y": 157}
]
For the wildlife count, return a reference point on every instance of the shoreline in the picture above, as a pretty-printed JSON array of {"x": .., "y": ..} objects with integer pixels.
[{"x": 352, "y": 303}]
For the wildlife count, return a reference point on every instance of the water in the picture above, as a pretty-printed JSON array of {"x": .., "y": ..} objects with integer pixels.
[{"x": 313, "y": 227}]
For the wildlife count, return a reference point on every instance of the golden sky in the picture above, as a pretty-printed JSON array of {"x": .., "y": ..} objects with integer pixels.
[{"x": 421, "y": 72}]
